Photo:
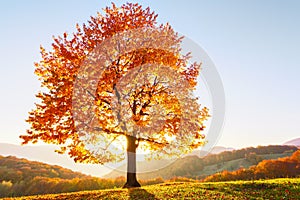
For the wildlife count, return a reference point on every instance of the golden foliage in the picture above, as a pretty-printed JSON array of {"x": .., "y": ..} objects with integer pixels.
[{"x": 52, "y": 121}]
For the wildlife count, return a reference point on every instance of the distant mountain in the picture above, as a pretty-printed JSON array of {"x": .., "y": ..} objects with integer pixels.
[
  {"x": 147, "y": 167},
  {"x": 193, "y": 166},
  {"x": 294, "y": 142},
  {"x": 46, "y": 154},
  {"x": 214, "y": 150},
  {"x": 220, "y": 149},
  {"x": 161, "y": 168}
]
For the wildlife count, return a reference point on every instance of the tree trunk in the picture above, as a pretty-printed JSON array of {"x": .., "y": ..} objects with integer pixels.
[{"x": 131, "y": 163}]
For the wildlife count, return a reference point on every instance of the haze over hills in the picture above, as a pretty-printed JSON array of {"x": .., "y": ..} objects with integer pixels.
[
  {"x": 214, "y": 150},
  {"x": 46, "y": 154},
  {"x": 294, "y": 142},
  {"x": 11, "y": 165},
  {"x": 195, "y": 167},
  {"x": 188, "y": 166}
]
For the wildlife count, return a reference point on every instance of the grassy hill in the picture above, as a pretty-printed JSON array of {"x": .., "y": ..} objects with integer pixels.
[
  {"x": 19, "y": 169},
  {"x": 46, "y": 154},
  {"x": 267, "y": 189},
  {"x": 198, "y": 168},
  {"x": 19, "y": 177}
]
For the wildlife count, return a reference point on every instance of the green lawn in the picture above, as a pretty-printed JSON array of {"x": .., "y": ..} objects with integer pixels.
[{"x": 263, "y": 189}]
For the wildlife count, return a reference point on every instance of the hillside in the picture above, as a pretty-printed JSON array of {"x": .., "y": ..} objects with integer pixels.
[
  {"x": 15, "y": 169},
  {"x": 38, "y": 153},
  {"x": 46, "y": 154},
  {"x": 268, "y": 189},
  {"x": 198, "y": 168},
  {"x": 266, "y": 169},
  {"x": 19, "y": 176}
]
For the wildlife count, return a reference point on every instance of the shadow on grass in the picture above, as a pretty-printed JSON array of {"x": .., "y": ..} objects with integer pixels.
[{"x": 138, "y": 193}]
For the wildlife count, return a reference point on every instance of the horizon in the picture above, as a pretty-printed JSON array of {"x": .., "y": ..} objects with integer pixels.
[{"x": 53, "y": 145}]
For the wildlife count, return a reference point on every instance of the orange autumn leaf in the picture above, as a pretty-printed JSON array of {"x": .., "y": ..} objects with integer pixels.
[{"x": 52, "y": 120}]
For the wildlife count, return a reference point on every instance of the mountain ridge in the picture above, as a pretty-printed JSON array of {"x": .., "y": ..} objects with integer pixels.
[
  {"x": 193, "y": 166},
  {"x": 46, "y": 154},
  {"x": 38, "y": 152},
  {"x": 294, "y": 142}
]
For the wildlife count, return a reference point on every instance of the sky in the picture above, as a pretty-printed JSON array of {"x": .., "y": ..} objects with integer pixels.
[{"x": 255, "y": 46}]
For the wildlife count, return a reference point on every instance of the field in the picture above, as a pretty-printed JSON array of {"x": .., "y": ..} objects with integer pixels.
[{"x": 263, "y": 189}]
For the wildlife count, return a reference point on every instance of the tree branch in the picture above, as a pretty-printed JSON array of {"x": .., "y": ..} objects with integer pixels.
[{"x": 152, "y": 141}]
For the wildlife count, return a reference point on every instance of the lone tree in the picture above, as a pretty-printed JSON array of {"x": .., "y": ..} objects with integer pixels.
[{"x": 142, "y": 98}]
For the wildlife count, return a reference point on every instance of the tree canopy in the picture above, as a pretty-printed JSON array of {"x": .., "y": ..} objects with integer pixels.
[{"x": 121, "y": 76}]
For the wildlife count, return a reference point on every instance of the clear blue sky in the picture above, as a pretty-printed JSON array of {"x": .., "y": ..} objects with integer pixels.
[{"x": 254, "y": 44}]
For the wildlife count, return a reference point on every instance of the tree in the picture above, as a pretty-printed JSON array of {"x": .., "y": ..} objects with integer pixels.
[{"x": 143, "y": 95}]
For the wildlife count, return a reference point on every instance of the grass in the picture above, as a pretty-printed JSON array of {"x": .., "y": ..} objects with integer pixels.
[{"x": 288, "y": 188}]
